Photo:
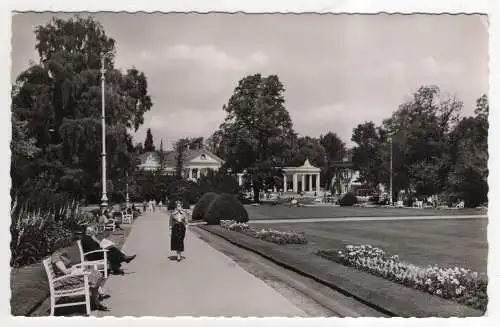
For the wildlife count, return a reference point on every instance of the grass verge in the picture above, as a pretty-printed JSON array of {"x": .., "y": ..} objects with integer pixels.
[{"x": 385, "y": 296}]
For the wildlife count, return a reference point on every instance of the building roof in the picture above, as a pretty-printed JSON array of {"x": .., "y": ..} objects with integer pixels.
[
  {"x": 170, "y": 156},
  {"x": 306, "y": 167}
]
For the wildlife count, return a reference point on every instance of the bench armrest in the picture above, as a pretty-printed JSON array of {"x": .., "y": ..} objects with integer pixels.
[
  {"x": 81, "y": 274},
  {"x": 95, "y": 251}
]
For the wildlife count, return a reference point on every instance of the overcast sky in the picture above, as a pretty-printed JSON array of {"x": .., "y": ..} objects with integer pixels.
[{"x": 338, "y": 70}]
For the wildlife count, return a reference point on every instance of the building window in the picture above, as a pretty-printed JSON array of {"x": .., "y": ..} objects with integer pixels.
[{"x": 203, "y": 157}]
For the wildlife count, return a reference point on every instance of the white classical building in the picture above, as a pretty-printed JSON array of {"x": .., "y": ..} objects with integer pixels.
[
  {"x": 195, "y": 162},
  {"x": 305, "y": 178}
]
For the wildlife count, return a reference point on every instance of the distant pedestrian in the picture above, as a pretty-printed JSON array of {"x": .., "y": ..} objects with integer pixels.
[{"x": 178, "y": 223}]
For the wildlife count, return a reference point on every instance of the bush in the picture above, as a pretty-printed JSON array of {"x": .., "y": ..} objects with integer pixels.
[
  {"x": 348, "y": 200},
  {"x": 203, "y": 204},
  {"x": 225, "y": 207},
  {"x": 183, "y": 190},
  {"x": 219, "y": 182},
  {"x": 38, "y": 233},
  {"x": 374, "y": 199}
]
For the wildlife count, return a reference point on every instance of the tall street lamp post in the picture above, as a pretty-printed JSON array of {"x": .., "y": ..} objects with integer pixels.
[
  {"x": 104, "y": 198},
  {"x": 390, "y": 175},
  {"x": 126, "y": 196}
]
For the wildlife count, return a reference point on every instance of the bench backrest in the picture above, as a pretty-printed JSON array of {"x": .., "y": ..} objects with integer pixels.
[
  {"x": 49, "y": 269},
  {"x": 80, "y": 248}
]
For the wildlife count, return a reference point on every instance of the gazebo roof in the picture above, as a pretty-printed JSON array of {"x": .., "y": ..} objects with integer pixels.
[{"x": 306, "y": 167}]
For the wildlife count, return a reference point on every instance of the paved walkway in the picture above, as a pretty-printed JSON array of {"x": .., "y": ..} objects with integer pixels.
[
  {"x": 340, "y": 219},
  {"x": 206, "y": 283}
]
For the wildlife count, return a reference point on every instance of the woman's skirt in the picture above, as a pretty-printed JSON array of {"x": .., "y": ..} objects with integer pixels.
[{"x": 177, "y": 237}]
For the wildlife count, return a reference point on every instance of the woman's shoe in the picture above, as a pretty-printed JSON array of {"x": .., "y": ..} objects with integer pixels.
[
  {"x": 100, "y": 307},
  {"x": 104, "y": 296},
  {"x": 118, "y": 272}
]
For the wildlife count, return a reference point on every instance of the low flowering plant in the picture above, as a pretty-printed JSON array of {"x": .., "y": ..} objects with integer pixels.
[
  {"x": 269, "y": 235},
  {"x": 457, "y": 284}
]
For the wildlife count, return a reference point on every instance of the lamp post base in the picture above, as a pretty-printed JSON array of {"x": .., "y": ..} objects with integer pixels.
[{"x": 104, "y": 202}]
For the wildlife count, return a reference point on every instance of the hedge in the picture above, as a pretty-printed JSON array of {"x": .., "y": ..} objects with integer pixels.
[
  {"x": 348, "y": 200},
  {"x": 201, "y": 207},
  {"x": 225, "y": 207}
]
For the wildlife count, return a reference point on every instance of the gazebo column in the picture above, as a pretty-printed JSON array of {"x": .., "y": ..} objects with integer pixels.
[
  {"x": 295, "y": 182},
  {"x": 284, "y": 183},
  {"x": 190, "y": 173},
  {"x": 317, "y": 183},
  {"x": 310, "y": 182},
  {"x": 303, "y": 182}
]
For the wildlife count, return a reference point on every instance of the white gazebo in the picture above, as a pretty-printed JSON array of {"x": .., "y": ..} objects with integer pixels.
[{"x": 309, "y": 178}]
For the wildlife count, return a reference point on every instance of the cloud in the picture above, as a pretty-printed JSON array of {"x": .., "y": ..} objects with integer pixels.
[
  {"x": 213, "y": 58},
  {"x": 432, "y": 67}
]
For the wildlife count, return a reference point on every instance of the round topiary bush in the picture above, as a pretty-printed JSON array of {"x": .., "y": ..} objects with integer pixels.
[
  {"x": 225, "y": 207},
  {"x": 203, "y": 204},
  {"x": 348, "y": 200}
]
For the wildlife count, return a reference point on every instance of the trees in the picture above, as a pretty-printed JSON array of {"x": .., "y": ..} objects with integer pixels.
[
  {"x": 469, "y": 157},
  {"x": 149, "y": 145},
  {"x": 180, "y": 147},
  {"x": 421, "y": 128},
  {"x": 59, "y": 99},
  {"x": 368, "y": 154},
  {"x": 257, "y": 130}
]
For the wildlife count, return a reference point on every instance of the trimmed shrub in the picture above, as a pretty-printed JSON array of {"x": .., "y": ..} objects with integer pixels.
[
  {"x": 348, "y": 200},
  {"x": 203, "y": 204},
  {"x": 225, "y": 207}
]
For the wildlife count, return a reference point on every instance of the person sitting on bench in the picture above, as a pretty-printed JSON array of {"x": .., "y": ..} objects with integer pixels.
[{"x": 90, "y": 242}]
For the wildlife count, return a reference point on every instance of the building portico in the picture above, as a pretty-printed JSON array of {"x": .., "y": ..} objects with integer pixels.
[{"x": 305, "y": 178}]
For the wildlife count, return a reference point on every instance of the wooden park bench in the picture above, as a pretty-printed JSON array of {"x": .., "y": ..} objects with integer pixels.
[
  {"x": 75, "y": 293},
  {"x": 127, "y": 218},
  {"x": 100, "y": 265}
]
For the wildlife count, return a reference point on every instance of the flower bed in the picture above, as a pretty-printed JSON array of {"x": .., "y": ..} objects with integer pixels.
[
  {"x": 269, "y": 235},
  {"x": 457, "y": 284}
]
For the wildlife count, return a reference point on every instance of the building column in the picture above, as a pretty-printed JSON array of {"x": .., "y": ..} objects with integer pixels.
[
  {"x": 284, "y": 183},
  {"x": 295, "y": 182},
  {"x": 317, "y": 183},
  {"x": 240, "y": 179},
  {"x": 190, "y": 173},
  {"x": 310, "y": 182},
  {"x": 198, "y": 173},
  {"x": 303, "y": 182}
]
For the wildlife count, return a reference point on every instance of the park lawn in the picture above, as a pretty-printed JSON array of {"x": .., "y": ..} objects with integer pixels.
[
  {"x": 266, "y": 211},
  {"x": 442, "y": 242},
  {"x": 390, "y": 298},
  {"x": 29, "y": 284}
]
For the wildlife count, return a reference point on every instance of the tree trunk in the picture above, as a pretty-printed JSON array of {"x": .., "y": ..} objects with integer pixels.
[{"x": 256, "y": 193}]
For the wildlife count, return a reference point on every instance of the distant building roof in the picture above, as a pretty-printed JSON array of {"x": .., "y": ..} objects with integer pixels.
[{"x": 171, "y": 156}]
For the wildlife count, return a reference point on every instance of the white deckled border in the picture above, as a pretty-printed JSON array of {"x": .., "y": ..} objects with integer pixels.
[{"x": 257, "y": 6}]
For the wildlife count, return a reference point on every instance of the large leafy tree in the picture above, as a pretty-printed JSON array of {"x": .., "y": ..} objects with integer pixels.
[
  {"x": 468, "y": 179},
  {"x": 368, "y": 154},
  {"x": 59, "y": 98},
  {"x": 257, "y": 131},
  {"x": 421, "y": 128}
]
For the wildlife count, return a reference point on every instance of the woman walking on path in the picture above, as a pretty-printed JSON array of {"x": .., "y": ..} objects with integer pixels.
[{"x": 178, "y": 222}]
